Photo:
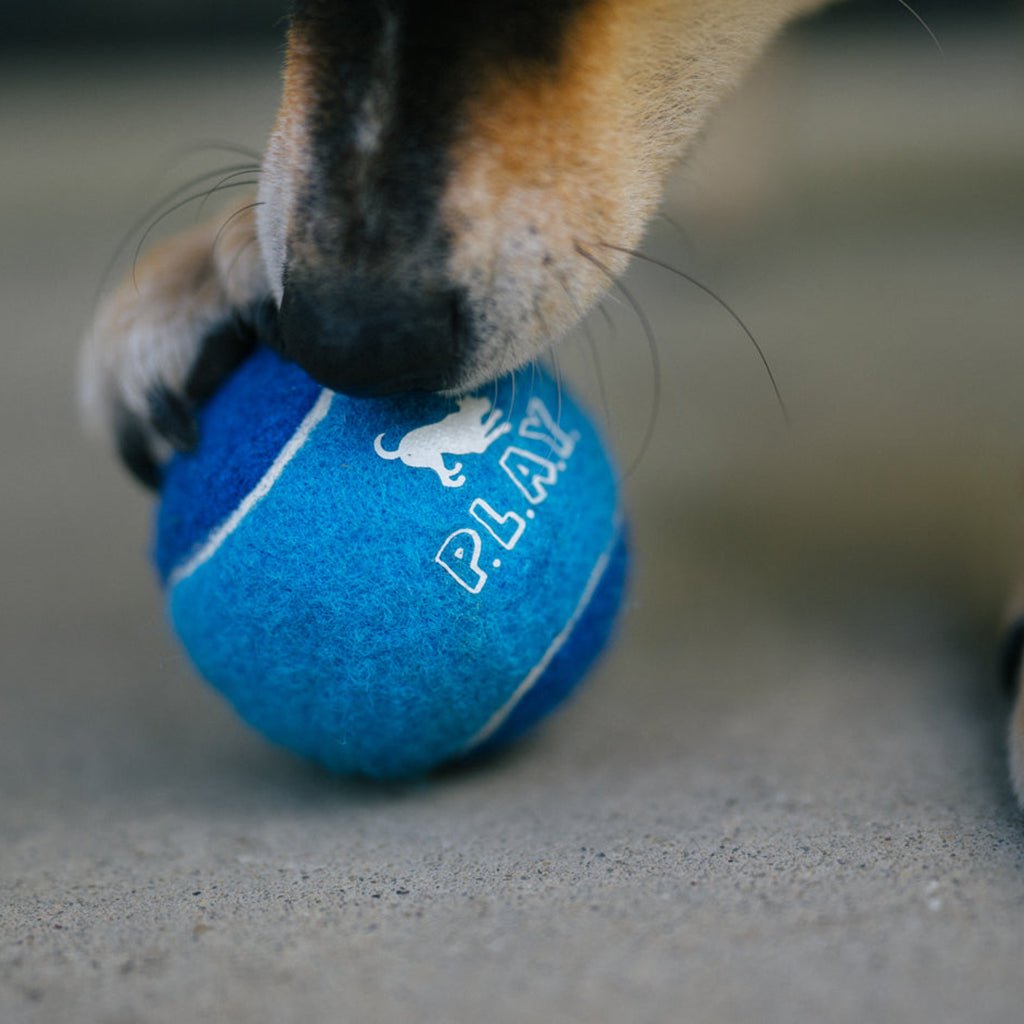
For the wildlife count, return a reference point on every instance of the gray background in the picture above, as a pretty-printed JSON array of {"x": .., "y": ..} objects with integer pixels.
[
  {"x": 781, "y": 798},
  {"x": 100, "y": 22}
]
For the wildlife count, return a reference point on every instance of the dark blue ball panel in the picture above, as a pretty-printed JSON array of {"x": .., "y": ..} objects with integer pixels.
[{"x": 243, "y": 427}]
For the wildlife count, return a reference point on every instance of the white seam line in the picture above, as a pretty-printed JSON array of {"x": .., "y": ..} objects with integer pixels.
[
  {"x": 228, "y": 527},
  {"x": 498, "y": 718}
]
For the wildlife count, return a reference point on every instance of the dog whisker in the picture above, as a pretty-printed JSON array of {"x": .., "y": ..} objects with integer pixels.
[
  {"x": 924, "y": 24},
  {"x": 685, "y": 236},
  {"x": 223, "y": 181},
  {"x": 557, "y": 365},
  {"x": 652, "y": 345},
  {"x": 711, "y": 293},
  {"x": 595, "y": 362},
  {"x": 155, "y": 209},
  {"x": 235, "y": 213},
  {"x": 613, "y": 330},
  {"x": 242, "y": 250},
  {"x": 556, "y": 369},
  {"x": 217, "y": 145},
  {"x": 248, "y": 182},
  {"x": 494, "y": 396},
  {"x": 584, "y": 321}
]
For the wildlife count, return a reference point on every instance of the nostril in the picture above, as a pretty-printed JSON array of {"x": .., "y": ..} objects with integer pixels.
[{"x": 368, "y": 341}]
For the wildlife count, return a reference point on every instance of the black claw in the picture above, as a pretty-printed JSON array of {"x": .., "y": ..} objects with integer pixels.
[
  {"x": 172, "y": 414},
  {"x": 223, "y": 349},
  {"x": 134, "y": 449},
  {"x": 1012, "y": 655},
  {"x": 263, "y": 320},
  {"x": 173, "y": 418}
]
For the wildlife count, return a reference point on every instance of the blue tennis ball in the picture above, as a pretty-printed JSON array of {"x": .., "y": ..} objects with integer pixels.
[{"x": 388, "y": 585}]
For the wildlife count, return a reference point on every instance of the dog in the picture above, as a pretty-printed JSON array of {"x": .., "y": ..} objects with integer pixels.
[{"x": 447, "y": 190}]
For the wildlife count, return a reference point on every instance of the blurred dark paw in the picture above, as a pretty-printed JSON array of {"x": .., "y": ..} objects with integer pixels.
[{"x": 169, "y": 422}]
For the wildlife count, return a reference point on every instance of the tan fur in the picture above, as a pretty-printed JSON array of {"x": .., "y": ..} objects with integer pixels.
[
  {"x": 551, "y": 163},
  {"x": 146, "y": 331},
  {"x": 286, "y": 164}
]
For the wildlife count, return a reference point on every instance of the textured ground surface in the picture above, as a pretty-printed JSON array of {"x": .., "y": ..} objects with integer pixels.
[{"x": 781, "y": 799}]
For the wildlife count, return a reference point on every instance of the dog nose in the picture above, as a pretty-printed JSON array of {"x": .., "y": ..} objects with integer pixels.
[{"x": 364, "y": 341}]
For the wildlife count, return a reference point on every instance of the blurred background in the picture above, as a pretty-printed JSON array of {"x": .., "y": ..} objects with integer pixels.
[
  {"x": 794, "y": 760},
  {"x": 87, "y": 24},
  {"x": 860, "y": 147}
]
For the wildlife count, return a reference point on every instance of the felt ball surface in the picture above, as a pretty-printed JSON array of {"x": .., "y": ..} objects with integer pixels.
[{"x": 389, "y": 585}]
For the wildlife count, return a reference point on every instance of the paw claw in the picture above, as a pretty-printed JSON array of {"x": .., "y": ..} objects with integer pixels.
[
  {"x": 173, "y": 417},
  {"x": 224, "y": 348},
  {"x": 1011, "y": 655},
  {"x": 1016, "y": 746},
  {"x": 136, "y": 453}
]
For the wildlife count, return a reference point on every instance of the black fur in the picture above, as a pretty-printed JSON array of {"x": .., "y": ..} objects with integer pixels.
[
  {"x": 369, "y": 214},
  {"x": 225, "y": 347},
  {"x": 135, "y": 450},
  {"x": 439, "y": 53},
  {"x": 1011, "y": 656},
  {"x": 173, "y": 419}
]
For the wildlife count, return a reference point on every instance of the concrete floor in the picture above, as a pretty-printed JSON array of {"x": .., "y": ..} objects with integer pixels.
[{"x": 782, "y": 798}]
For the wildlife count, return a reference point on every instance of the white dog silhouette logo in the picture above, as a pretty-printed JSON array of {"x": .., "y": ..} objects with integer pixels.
[{"x": 470, "y": 430}]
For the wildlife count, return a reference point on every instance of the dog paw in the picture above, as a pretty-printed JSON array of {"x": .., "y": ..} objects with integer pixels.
[
  {"x": 164, "y": 340},
  {"x": 160, "y": 415},
  {"x": 1013, "y": 675},
  {"x": 1016, "y": 746}
]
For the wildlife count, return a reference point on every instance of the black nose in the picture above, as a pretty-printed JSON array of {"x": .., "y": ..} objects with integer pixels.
[{"x": 371, "y": 341}]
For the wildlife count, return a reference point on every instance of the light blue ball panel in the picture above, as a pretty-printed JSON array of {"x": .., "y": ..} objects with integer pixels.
[{"x": 423, "y": 576}]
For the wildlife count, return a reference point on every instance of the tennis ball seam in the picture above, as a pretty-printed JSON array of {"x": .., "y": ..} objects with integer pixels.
[
  {"x": 208, "y": 548},
  {"x": 495, "y": 722}
]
